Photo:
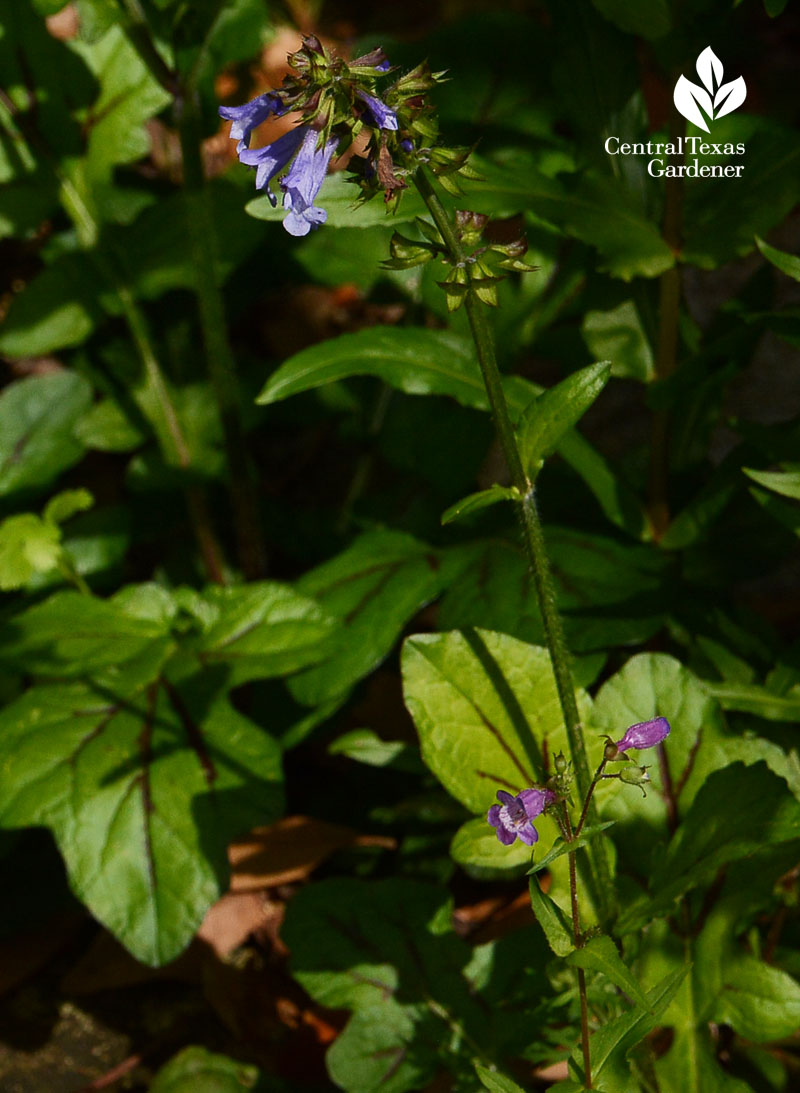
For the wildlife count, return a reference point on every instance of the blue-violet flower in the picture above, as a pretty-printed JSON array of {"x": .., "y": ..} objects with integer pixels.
[
  {"x": 384, "y": 117},
  {"x": 645, "y": 734},
  {"x": 274, "y": 157},
  {"x": 245, "y": 118},
  {"x": 514, "y": 817},
  {"x": 302, "y": 184}
]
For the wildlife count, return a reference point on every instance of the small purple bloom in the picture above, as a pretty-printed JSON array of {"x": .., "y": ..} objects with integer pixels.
[
  {"x": 302, "y": 184},
  {"x": 384, "y": 66},
  {"x": 407, "y": 145},
  {"x": 513, "y": 817},
  {"x": 646, "y": 734},
  {"x": 246, "y": 118},
  {"x": 384, "y": 117},
  {"x": 274, "y": 157}
]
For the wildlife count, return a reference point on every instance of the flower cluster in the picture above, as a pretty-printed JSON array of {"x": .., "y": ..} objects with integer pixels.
[
  {"x": 336, "y": 103},
  {"x": 513, "y": 817}
]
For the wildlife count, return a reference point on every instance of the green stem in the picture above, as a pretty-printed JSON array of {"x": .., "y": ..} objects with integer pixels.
[
  {"x": 533, "y": 535},
  {"x": 584, "y": 813},
  {"x": 577, "y": 936},
  {"x": 219, "y": 356}
]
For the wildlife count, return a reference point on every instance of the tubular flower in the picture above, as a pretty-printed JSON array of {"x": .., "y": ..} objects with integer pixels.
[
  {"x": 245, "y": 118},
  {"x": 384, "y": 117},
  {"x": 645, "y": 734},
  {"x": 514, "y": 816},
  {"x": 302, "y": 184},
  {"x": 272, "y": 158}
]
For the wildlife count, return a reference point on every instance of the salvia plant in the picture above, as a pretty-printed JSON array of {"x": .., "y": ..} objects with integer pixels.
[{"x": 604, "y": 731}]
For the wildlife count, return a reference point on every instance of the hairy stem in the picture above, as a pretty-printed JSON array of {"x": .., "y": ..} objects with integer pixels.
[
  {"x": 533, "y": 536},
  {"x": 577, "y": 936}
]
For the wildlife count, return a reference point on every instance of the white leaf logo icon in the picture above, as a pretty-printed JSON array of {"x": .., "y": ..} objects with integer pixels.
[{"x": 714, "y": 98}]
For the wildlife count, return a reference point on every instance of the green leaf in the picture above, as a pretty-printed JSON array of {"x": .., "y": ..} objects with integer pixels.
[
  {"x": 750, "y": 698},
  {"x": 391, "y": 1049},
  {"x": 717, "y": 830},
  {"x": 416, "y": 361},
  {"x": 609, "y": 592},
  {"x": 476, "y": 848},
  {"x": 365, "y": 746},
  {"x": 722, "y": 216},
  {"x": 600, "y": 210},
  {"x": 618, "y": 336},
  {"x": 759, "y": 1001},
  {"x": 196, "y": 1070},
  {"x": 143, "y": 783},
  {"x": 477, "y": 501},
  {"x": 106, "y": 428},
  {"x": 786, "y": 263},
  {"x": 496, "y": 1082},
  {"x": 373, "y": 588},
  {"x": 263, "y": 629},
  {"x": 358, "y": 943},
  {"x": 600, "y": 954},
  {"x": 67, "y": 504},
  {"x": 485, "y": 706},
  {"x": 429, "y": 362},
  {"x": 560, "y": 847},
  {"x": 544, "y": 422},
  {"x": 129, "y": 96},
  {"x": 36, "y": 422},
  {"x": 554, "y": 923},
  {"x": 70, "y": 634},
  {"x": 28, "y": 545},
  {"x": 617, "y": 1037},
  {"x": 651, "y": 685},
  {"x": 57, "y": 309},
  {"x": 786, "y": 483}
]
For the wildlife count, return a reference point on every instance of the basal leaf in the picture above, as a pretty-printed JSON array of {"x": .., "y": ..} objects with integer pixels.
[
  {"x": 476, "y": 848},
  {"x": 197, "y": 1070},
  {"x": 485, "y": 705},
  {"x": 37, "y": 416},
  {"x": 142, "y": 783},
  {"x": 373, "y": 589},
  {"x": 263, "y": 629}
]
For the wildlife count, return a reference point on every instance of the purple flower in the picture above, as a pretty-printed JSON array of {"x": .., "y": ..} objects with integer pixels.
[
  {"x": 273, "y": 158},
  {"x": 246, "y": 118},
  {"x": 513, "y": 817},
  {"x": 384, "y": 117},
  {"x": 645, "y": 734},
  {"x": 302, "y": 184}
]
